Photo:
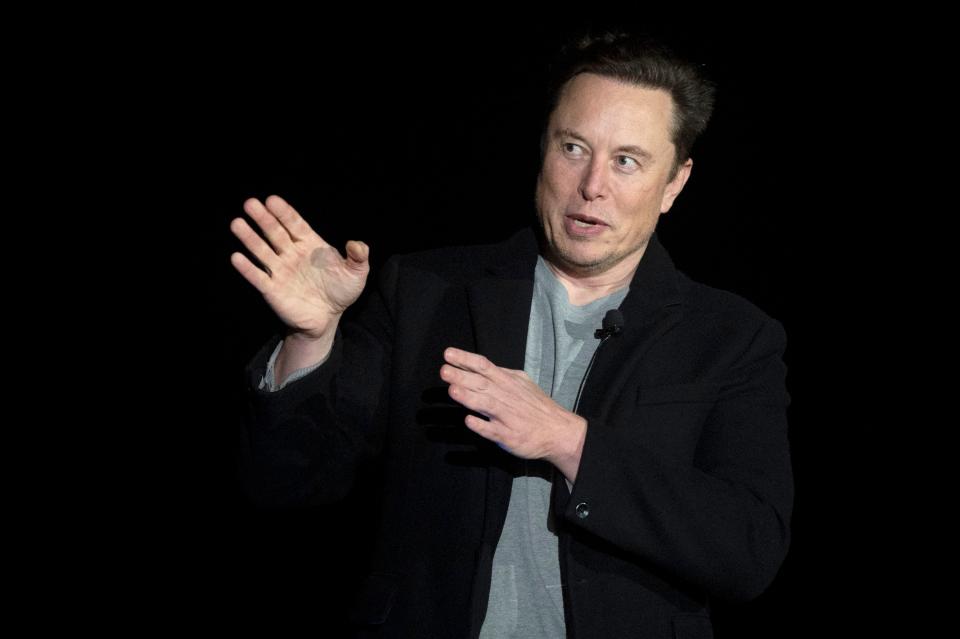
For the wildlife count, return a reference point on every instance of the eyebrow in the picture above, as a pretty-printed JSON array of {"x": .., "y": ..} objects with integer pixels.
[{"x": 630, "y": 148}]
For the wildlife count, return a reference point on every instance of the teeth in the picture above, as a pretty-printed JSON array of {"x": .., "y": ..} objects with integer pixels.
[{"x": 582, "y": 223}]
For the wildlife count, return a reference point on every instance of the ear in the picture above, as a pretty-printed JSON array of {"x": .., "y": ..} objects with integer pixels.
[{"x": 676, "y": 185}]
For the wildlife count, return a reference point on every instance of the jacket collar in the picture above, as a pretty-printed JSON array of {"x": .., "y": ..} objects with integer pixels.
[
  {"x": 655, "y": 277},
  {"x": 500, "y": 308}
]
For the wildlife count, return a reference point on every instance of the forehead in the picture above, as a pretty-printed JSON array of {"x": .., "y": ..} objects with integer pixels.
[{"x": 611, "y": 110}]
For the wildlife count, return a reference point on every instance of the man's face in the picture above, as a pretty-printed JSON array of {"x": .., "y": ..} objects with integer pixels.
[{"x": 603, "y": 183}]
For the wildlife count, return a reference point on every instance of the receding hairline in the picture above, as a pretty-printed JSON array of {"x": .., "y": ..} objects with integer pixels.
[{"x": 627, "y": 82}]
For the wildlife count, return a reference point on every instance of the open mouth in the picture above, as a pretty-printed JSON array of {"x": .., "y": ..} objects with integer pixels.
[
  {"x": 585, "y": 221},
  {"x": 583, "y": 225}
]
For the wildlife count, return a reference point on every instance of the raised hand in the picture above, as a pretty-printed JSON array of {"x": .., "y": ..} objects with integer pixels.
[{"x": 307, "y": 282}]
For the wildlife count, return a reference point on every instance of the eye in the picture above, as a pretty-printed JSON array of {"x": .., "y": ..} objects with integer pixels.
[
  {"x": 627, "y": 162},
  {"x": 571, "y": 149}
]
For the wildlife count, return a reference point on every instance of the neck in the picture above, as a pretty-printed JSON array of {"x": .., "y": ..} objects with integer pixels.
[{"x": 585, "y": 287}]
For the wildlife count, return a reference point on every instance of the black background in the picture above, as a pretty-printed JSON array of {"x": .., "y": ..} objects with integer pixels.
[{"x": 423, "y": 132}]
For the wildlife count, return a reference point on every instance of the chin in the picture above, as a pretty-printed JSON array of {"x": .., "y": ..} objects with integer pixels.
[{"x": 581, "y": 260}]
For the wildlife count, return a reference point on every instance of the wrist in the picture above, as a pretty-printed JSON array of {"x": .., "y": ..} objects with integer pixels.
[
  {"x": 304, "y": 339},
  {"x": 307, "y": 338},
  {"x": 302, "y": 351},
  {"x": 571, "y": 447}
]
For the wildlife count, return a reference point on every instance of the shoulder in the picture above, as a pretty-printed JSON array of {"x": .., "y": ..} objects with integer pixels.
[
  {"x": 724, "y": 312},
  {"x": 703, "y": 298}
]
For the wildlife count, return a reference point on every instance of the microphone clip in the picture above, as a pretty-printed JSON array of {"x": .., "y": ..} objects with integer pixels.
[
  {"x": 601, "y": 333},
  {"x": 612, "y": 324}
]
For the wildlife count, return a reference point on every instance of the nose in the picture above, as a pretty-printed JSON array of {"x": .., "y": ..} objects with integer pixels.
[{"x": 593, "y": 183}]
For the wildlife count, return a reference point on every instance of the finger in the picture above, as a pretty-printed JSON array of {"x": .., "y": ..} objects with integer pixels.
[
  {"x": 486, "y": 429},
  {"x": 292, "y": 221},
  {"x": 274, "y": 231},
  {"x": 358, "y": 255},
  {"x": 482, "y": 403},
  {"x": 250, "y": 272},
  {"x": 260, "y": 249},
  {"x": 453, "y": 375},
  {"x": 469, "y": 361}
]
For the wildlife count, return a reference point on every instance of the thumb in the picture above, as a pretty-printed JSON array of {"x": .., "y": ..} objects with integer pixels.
[{"x": 357, "y": 254}]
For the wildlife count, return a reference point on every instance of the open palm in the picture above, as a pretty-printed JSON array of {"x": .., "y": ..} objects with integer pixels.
[{"x": 307, "y": 282}]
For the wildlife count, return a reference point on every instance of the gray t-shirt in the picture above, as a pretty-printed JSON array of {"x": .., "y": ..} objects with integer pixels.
[{"x": 526, "y": 598}]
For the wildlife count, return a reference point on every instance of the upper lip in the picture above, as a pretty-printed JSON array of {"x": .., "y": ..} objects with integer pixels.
[{"x": 586, "y": 218}]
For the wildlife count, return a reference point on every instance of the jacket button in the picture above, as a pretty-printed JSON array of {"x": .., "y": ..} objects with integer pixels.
[{"x": 583, "y": 509}]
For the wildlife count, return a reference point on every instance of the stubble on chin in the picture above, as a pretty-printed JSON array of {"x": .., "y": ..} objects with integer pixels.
[
  {"x": 555, "y": 252},
  {"x": 584, "y": 265},
  {"x": 555, "y": 241},
  {"x": 573, "y": 262}
]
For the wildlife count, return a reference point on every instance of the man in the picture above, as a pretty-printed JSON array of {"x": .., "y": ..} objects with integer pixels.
[{"x": 596, "y": 491}]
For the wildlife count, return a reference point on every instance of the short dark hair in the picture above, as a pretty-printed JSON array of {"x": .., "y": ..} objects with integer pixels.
[{"x": 645, "y": 61}]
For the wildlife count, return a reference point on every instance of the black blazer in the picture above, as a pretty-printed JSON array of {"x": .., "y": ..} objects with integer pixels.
[{"x": 684, "y": 491}]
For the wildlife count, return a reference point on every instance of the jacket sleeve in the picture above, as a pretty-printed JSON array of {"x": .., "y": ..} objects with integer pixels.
[
  {"x": 721, "y": 523},
  {"x": 270, "y": 383},
  {"x": 303, "y": 443}
]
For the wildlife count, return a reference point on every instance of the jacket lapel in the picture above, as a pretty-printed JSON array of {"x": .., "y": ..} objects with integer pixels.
[
  {"x": 651, "y": 308},
  {"x": 500, "y": 313},
  {"x": 500, "y": 301}
]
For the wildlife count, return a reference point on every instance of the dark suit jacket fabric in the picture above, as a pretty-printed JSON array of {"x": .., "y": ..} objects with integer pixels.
[{"x": 684, "y": 491}]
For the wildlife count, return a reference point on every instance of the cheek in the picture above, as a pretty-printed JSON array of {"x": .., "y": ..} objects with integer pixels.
[
  {"x": 643, "y": 203},
  {"x": 558, "y": 177},
  {"x": 546, "y": 199},
  {"x": 542, "y": 196},
  {"x": 558, "y": 194}
]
